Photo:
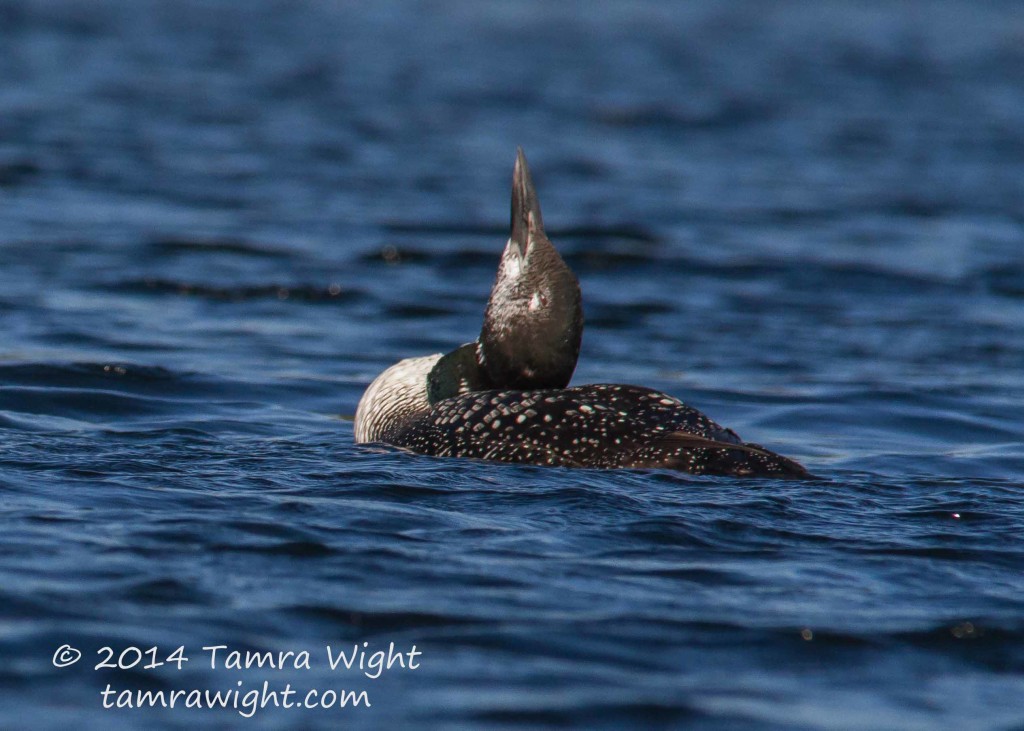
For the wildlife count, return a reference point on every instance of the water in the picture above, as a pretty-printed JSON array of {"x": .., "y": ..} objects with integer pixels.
[{"x": 218, "y": 222}]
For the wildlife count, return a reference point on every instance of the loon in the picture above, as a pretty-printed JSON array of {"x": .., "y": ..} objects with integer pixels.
[{"x": 506, "y": 396}]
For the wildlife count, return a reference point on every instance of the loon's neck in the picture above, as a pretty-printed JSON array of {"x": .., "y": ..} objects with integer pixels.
[
  {"x": 533, "y": 323},
  {"x": 395, "y": 398},
  {"x": 408, "y": 390}
]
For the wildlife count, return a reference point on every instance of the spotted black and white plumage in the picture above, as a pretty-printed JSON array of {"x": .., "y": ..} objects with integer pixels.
[
  {"x": 601, "y": 425},
  {"x": 504, "y": 397}
]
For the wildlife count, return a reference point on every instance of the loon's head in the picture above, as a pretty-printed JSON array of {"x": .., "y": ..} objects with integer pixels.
[{"x": 534, "y": 318}]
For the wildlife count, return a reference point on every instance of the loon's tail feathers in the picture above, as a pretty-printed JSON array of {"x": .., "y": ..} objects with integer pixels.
[{"x": 700, "y": 455}]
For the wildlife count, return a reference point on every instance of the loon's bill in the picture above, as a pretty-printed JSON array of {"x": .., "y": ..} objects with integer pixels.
[{"x": 505, "y": 398}]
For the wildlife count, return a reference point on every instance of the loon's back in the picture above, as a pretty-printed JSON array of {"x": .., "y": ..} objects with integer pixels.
[{"x": 600, "y": 425}]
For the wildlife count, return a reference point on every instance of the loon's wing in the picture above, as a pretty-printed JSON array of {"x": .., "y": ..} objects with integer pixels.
[
  {"x": 693, "y": 453},
  {"x": 602, "y": 426},
  {"x": 645, "y": 411}
]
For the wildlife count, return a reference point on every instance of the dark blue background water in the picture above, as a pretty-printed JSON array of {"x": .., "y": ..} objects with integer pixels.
[{"x": 218, "y": 222}]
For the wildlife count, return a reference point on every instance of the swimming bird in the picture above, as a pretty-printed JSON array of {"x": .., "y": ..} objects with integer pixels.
[{"x": 505, "y": 396}]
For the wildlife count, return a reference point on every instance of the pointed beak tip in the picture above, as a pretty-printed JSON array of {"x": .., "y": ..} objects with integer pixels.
[
  {"x": 526, "y": 218},
  {"x": 520, "y": 169}
]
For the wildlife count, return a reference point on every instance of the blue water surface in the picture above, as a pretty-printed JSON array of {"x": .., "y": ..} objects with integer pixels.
[{"x": 219, "y": 221}]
